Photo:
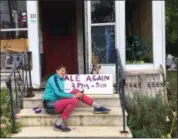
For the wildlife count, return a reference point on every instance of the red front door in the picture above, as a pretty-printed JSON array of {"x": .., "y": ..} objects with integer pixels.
[{"x": 58, "y": 19}]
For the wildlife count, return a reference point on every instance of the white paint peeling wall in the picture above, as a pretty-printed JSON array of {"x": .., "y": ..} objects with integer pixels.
[
  {"x": 33, "y": 42},
  {"x": 120, "y": 29},
  {"x": 88, "y": 36},
  {"x": 158, "y": 13},
  {"x": 163, "y": 35}
]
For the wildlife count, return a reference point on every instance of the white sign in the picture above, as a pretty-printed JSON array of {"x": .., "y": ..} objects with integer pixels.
[
  {"x": 90, "y": 83},
  {"x": 33, "y": 18}
]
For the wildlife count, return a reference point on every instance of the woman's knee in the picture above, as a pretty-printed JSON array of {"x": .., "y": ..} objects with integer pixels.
[{"x": 74, "y": 101}]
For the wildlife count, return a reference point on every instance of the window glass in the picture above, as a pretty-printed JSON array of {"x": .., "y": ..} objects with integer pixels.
[
  {"x": 139, "y": 43},
  {"x": 103, "y": 44},
  {"x": 102, "y": 11},
  {"x": 13, "y": 14}
]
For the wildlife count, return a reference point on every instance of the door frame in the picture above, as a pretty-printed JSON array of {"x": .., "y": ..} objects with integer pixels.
[
  {"x": 80, "y": 35},
  {"x": 34, "y": 30}
]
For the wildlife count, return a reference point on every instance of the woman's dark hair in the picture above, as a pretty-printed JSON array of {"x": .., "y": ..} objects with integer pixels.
[{"x": 60, "y": 66}]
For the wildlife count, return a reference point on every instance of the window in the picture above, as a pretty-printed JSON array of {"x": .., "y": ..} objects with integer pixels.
[
  {"x": 139, "y": 32},
  {"x": 13, "y": 32},
  {"x": 13, "y": 20},
  {"x": 13, "y": 14},
  {"x": 103, "y": 31}
]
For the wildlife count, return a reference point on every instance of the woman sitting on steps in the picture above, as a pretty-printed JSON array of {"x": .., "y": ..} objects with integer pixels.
[{"x": 56, "y": 101}]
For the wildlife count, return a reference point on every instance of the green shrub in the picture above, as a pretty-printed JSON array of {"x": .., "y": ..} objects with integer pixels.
[
  {"x": 5, "y": 115},
  {"x": 172, "y": 97},
  {"x": 172, "y": 89},
  {"x": 147, "y": 116}
]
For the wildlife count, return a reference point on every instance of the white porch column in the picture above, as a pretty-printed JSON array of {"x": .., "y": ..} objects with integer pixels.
[
  {"x": 33, "y": 41},
  {"x": 158, "y": 12},
  {"x": 120, "y": 29}
]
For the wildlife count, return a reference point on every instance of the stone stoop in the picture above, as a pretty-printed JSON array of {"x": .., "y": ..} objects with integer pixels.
[
  {"x": 106, "y": 100},
  {"x": 4, "y": 75},
  {"x": 83, "y": 121},
  {"x": 77, "y": 131},
  {"x": 144, "y": 78},
  {"x": 79, "y": 117},
  {"x": 147, "y": 82}
]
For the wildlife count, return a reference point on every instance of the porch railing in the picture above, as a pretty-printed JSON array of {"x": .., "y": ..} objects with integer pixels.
[
  {"x": 18, "y": 82},
  {"x": 120, "y": 84}
]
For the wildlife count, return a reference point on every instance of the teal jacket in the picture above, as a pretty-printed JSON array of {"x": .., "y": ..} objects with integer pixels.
[{"x": 54, "y": 89}]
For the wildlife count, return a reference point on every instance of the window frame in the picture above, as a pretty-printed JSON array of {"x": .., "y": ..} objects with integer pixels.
[
  {"x": 13, "y": 29},
  {"x": 90, "y": 25}
]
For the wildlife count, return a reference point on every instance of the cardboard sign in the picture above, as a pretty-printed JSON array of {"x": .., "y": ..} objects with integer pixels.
[
  {"x": 90, "y": 83},
  {"x": 15, "y": 45}
]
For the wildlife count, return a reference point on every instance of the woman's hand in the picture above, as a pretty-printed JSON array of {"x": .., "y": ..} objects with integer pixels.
[{"x": 78, "y": 95}]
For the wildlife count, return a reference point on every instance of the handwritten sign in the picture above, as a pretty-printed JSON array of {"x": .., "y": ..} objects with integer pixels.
[{"x": 91, "y": 83}]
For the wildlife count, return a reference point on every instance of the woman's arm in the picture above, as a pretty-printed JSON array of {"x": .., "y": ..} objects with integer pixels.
[{"x": 58, "y": 91}]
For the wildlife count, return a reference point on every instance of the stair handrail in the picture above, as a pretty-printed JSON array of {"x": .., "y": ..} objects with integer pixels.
[
  {"x": 20, "y": 73},
  {"x": 120, "y": 84}
]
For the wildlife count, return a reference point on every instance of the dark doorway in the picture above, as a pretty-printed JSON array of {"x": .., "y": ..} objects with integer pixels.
[{"x": 58, "y": 19}]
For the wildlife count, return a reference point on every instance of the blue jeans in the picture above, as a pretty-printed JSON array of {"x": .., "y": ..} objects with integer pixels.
[{"x": 49, "y": 106}]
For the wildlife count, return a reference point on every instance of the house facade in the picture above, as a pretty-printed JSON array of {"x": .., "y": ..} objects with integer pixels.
[{"x": 80, "y": 33}]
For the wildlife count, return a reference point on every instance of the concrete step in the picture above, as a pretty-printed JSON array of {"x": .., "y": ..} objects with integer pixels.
[
  {"x": 138, "y": 76},
  {"x": 106, "y": 100},
  {"x": 4, "y": 76},
  {"x": 142, "y": 72},
  {"x": 79, "y": 117},
  {"x": 77, "y": 131},
  {"x": 5, "y": 70}
]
